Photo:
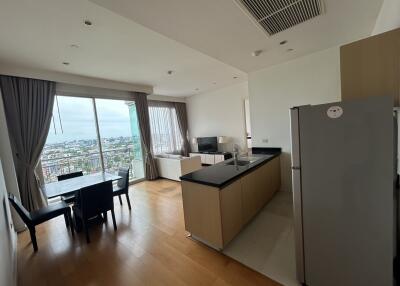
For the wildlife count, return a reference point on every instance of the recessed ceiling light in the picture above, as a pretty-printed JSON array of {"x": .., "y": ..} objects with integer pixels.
[
  {"x": 256, "y": 53},
  {"x": 290, "y": 50},
  {"x": 88, "y": 22},
  {"x": 170, "y": 72},
  {"x": 196, "y": 89},
  {"x": 235, "y": 77},
  {"x": 65, "y": 63},
  {"x": 74, "y": 46},
  {"x": 283, "y": 42}
]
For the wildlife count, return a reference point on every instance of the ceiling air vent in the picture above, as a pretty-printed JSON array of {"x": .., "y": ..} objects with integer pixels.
[{"x": 275, "y": 16}]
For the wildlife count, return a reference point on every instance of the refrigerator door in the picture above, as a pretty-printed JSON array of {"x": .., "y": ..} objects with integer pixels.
[
  {"x": 347, "y": 192},
  {"x": 296, "y": 186}
]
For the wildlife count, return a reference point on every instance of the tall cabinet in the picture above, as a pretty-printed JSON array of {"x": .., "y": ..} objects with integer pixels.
[{"x": 371, "y": 67}]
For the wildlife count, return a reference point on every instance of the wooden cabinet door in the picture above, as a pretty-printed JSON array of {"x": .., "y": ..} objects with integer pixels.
[
  {"x": 258, "y": 187},
  {"x": 231, "y": 211},
  {"x": 261, "y": 186},
  {"x": 271, "y": 175},
  {"x": 249, "y": 196},
  {"x": 202, "y": 212},
  {"x": 371, "y": 67},
  {"x": 275, "y": 176},
  {"x": 265, "y": 184}
]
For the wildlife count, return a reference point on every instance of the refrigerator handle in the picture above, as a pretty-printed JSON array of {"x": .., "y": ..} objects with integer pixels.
[{"x": 297, "y": 195}]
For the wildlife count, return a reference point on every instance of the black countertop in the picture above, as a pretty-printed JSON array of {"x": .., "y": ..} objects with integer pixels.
[
  {"x": 212, "y": 153},
  {"x": 221, "y": 174}
]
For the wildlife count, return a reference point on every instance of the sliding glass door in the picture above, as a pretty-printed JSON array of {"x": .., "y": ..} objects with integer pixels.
[
  {"x": 92, "y": 135},
  {"x": 119, "y": 137}
]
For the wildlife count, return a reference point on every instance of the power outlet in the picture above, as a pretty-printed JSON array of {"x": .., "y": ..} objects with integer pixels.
[{"x": 265, "y": 140}]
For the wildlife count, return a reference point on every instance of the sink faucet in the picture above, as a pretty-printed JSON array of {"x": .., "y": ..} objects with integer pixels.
[{"x": 235, "y": 152}]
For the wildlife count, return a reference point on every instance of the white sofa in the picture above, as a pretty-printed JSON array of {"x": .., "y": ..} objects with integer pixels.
[{"x": 173, "y": 166}]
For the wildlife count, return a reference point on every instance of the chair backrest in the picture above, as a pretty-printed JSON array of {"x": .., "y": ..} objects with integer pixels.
[
  {"x": 19, "y": 208},
  {"x": 95, "y": 199},
  {"x": 69, "y": 176},
  {"x": 124, "y": 182}
]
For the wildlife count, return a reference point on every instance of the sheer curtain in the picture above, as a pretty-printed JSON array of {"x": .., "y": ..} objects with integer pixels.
[
  {"x": 181, "y": 115},
  {"x": 165, "y": 132}
]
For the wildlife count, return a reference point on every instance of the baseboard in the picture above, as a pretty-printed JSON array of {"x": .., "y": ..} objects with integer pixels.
[
  {"x": 137, "y": 181},
  {"x": 14, "y": 258}
]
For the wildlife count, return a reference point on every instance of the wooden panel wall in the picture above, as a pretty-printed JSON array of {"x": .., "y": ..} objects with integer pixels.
[{"x": 371, "y": 67}]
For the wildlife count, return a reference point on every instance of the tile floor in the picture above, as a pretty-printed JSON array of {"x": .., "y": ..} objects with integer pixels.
[{"x": 267, "y": 243}]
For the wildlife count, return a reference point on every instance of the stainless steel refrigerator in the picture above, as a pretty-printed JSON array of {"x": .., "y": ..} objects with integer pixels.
[{"x": 343, "y": 173}]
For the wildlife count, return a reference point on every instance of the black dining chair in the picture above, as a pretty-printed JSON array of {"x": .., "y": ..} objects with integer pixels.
[
  {"x": 93, "y": 201},
  {"x": 122, "y": 187},
  {"x": 32, "y": 219},
  {"x": 69, "y": 199}
]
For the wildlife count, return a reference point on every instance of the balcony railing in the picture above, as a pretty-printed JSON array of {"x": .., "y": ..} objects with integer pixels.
[{"x": 91, "y": 163}]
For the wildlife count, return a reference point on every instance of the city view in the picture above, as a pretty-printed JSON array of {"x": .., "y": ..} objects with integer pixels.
[
  {"x": 72, "y": 143},
  {"x": 83, "y": 155}
]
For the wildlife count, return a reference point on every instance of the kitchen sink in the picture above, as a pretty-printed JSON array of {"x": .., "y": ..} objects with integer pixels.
[
  {"x": 239, "y": 163},
  {"x": 251, "y": 159}
]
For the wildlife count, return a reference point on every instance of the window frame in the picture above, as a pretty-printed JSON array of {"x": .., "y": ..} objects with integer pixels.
[{"x": 39, "y": 169}]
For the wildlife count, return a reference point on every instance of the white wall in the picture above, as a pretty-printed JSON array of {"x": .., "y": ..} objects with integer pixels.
[
  {"x": 7, "y": 239},
  {"x": 312, "y": 79},
  {"x": 219, "y": 113},
  {"x": 388, "y": 18}
]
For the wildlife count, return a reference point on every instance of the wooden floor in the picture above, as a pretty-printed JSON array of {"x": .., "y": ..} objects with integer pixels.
[{"x": 149, "y": 248}]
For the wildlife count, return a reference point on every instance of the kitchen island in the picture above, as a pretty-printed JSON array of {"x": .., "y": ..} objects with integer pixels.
[{"x": 218, "y": 201}]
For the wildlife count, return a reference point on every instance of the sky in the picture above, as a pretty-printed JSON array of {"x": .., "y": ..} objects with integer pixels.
[{"x": 77, "y": 119}]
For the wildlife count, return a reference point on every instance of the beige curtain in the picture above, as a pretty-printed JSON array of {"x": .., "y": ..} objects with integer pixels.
[
  {"x": 165, "y": 132},
  {"x": 28, "y": 105},
  {"x": 180, "y": 108},
  {"x": 142, "y": 109}
]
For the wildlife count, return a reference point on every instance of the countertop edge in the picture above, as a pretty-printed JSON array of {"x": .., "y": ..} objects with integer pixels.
[{"x": 236, "y": 177}]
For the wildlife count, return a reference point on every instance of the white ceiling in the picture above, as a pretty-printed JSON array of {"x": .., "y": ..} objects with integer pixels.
[
  {"x": 38, "y": 34},
  {"x": 205, "y": 42},
  {"x": 219, "y": 28}
]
